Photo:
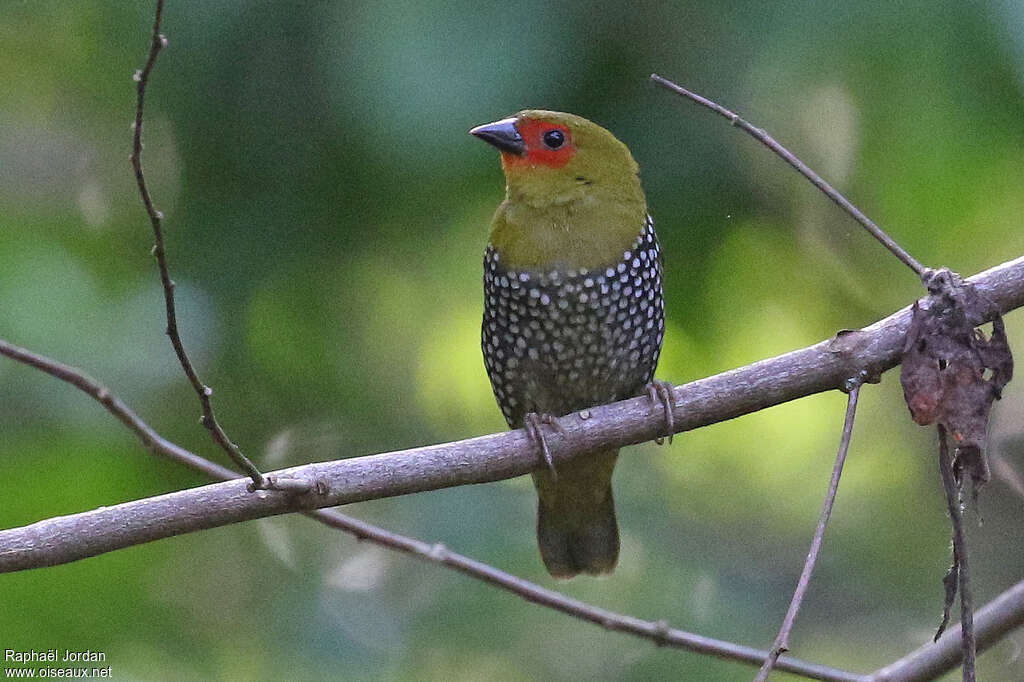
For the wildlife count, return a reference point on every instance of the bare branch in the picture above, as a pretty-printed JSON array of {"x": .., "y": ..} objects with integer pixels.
[
  {"x": 828, "y": 190},
  {"x": 781, "y": 644},
  {"x": 992, "y": 621},
  {"x": 824, "y": 366},
  {"x": 658, "y": 632},
  {"x": 157, "y": 42}
]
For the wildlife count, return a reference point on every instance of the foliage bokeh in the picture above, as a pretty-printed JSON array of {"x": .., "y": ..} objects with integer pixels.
[{"x": 326, "y": 216}]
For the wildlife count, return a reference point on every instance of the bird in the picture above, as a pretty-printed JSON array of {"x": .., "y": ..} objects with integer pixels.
[{"x": 573, "y": 312}]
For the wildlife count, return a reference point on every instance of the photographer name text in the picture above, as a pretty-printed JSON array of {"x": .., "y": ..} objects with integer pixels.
[{"x": 54, "y": 656}]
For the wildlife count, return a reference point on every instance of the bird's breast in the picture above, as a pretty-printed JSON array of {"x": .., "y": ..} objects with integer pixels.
[{"x": 558, "y": 340}]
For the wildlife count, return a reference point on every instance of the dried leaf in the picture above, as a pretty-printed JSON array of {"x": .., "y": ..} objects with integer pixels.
[
  {"x": 950, "y": 581},
  {"x": 951, "y": 372}
]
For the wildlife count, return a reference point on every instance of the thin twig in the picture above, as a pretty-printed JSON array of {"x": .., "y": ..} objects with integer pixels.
[
  {"x": 822, "y": 367},
  {"x": 828, "y": 190},
  {"x": 781, "y": 644},
  {"x": 658, "y": 632},
  {"x": 152, "y": 440},
  {"x": 959, "y": 569},
  {"x": 157, "y": 42}
]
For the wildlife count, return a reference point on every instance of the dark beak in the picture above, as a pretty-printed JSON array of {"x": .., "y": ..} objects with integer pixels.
[{"x": 503, "y": 135}]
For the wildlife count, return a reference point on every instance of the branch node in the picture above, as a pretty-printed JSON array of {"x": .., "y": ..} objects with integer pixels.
[
  {"x": 285, "y": 484},
  {"x": 855, "y": 381},
  {"x": 661, "y": 632}
]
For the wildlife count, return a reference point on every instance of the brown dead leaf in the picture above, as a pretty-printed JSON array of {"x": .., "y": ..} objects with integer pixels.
[{"x": 951, "y": 372}]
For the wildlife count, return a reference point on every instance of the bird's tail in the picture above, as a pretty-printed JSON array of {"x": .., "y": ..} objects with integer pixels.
[{"x": 576, "y": 527}]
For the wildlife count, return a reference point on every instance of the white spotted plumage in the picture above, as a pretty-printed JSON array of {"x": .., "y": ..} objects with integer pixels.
[{"x": 556, "y": 341}]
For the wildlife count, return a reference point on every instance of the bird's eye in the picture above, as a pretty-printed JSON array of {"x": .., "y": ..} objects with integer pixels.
[{"x": 553, "y": 139}]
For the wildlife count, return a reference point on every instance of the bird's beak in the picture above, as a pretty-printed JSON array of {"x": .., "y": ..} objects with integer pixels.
[{"x": 503, "y": 135}]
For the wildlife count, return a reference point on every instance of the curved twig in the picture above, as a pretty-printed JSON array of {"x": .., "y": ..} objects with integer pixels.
[
  {"x": 781, "y": 644},
  {"x": 828, "y": 190},
  {"x": 158, "y": 42}
]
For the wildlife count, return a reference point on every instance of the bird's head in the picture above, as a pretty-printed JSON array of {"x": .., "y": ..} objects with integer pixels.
[{"x": 549, "y": 156}]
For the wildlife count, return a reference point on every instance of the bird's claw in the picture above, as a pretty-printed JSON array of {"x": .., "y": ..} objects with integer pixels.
[
  {"x": 662, "y": 392},
  {"x": 532, "y": 423}
]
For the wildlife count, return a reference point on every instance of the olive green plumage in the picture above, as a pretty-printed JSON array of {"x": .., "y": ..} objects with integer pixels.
[
  {"x": 573, "y": 309},
  {"x": 582, "y": 214}
]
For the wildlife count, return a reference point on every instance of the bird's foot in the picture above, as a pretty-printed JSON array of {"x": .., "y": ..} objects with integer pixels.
[
  {"x": 663, "y": 393},
  {"x": 533, "y": 424}
]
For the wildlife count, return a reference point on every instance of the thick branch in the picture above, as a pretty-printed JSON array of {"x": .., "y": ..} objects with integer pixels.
[{"x": 824, "y": 366}]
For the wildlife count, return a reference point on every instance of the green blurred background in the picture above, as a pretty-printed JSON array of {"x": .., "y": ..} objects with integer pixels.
[{"x": 326, "y": 216}]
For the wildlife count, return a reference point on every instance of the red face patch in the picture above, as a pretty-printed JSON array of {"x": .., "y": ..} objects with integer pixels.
[{"x": 547, "y": 144}]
